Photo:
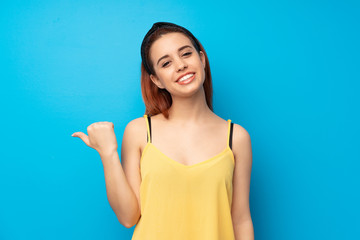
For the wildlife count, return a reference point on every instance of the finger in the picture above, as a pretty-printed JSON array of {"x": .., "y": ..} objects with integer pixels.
[{"x": 82, "y": 136}]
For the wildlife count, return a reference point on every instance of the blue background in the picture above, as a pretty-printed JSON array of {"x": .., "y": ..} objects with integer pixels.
[{"x": 287, "y": 71}]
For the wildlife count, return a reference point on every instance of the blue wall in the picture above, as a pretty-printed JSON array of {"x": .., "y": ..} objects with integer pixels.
[{"x": 287, "y": 71}]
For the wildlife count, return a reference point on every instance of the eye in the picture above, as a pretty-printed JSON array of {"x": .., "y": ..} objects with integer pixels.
[
  {"x": 187, "y": 53},
  {"x": 165, "y": 64}
]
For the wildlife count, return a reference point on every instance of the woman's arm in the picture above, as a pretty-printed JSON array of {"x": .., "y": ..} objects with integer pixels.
[
  {"x": 122, "y": 184},
  {"x": 121, "y": 196},
  {"x": 123, "y": 179},
  {"x": 240, "y": 212}
]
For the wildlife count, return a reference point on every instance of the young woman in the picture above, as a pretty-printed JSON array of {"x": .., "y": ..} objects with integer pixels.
[{"x": 184, "y": 171}]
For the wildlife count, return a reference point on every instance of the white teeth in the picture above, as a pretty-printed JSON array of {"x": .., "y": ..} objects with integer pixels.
[{"x": 186, "y": 77}]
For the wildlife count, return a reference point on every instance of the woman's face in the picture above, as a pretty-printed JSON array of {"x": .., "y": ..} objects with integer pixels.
[{"x": 174, "y": 58}]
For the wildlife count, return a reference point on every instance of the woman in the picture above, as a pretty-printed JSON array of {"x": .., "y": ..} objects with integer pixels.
[{"x": 190, "y": 177}]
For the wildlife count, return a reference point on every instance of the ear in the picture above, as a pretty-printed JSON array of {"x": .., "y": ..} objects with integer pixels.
[
  {"x": 202, "y": 57},
  {"x": 156, "y": 81}
]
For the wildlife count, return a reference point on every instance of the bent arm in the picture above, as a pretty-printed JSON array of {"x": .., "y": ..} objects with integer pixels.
[{"x": 120, "y": 195}]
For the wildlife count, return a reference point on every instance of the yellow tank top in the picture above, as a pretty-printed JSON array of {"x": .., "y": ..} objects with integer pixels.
[{"x": 185, "y": 202}]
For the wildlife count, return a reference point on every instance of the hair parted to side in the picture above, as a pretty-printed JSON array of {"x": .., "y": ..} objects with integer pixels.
[{"x": 159, "y": 100}]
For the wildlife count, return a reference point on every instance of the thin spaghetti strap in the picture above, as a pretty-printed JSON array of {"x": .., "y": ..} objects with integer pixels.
[
  {"x": 147, "y": 119},
  {"x": 230, "y": 133}
]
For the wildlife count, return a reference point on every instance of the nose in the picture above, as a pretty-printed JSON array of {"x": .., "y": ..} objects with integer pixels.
[{"x": 181, "y": 64}]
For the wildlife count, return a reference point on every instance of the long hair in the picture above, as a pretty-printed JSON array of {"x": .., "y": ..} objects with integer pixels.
[{"x": 159, "y": 100}]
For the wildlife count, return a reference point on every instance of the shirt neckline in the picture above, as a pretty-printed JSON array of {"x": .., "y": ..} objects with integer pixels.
[{"x": 227, "y": 148}]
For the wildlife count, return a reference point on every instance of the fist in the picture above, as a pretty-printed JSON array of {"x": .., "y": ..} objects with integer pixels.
[{"x": 101, "y": 137}]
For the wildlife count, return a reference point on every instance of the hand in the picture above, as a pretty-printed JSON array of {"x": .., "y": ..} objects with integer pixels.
[{"x": 101, "y": 137}]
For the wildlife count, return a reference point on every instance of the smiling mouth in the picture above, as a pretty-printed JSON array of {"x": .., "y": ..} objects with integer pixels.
[{"x": 186, "y": 77}]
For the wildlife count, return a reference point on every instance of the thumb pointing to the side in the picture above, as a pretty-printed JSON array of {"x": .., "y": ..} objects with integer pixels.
[{"x": 82, "y": 136}]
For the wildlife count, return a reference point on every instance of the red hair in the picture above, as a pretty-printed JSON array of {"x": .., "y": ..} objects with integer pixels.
[{"x": 159, "y": 100}]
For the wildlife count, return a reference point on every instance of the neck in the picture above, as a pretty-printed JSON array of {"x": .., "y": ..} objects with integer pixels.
[{"x": 189, "y": 109}]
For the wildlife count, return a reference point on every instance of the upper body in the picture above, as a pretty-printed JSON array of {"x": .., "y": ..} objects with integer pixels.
[
  {"x": 169, "y": 57},
  {"x": 178, "y": 67},
  {"x": 177, "y": 91},
  {"x": 188, "y": 149}
]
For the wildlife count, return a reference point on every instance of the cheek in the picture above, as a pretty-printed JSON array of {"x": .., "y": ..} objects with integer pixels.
[
  {"x": 165, "y": 75},
  {"x": 198, "y": 62},
  {"x": 200, "y": 66}
]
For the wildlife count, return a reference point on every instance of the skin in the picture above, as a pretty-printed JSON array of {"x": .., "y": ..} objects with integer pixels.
[{"x": 190, "y": 122}]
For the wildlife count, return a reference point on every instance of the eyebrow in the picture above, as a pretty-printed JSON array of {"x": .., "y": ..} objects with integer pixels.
[{"x": 165, "y": 56}]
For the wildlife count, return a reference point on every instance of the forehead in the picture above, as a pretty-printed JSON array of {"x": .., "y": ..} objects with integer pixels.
[{"x": 168, "y": 44}]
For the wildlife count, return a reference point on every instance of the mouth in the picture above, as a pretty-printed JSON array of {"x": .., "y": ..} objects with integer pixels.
[{"x": 185, "y": 77}]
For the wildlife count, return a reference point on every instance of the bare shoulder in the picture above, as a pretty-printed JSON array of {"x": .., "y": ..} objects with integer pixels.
[
  {"x": 241, "y": 141},
  {"x": 136, "y": 125},
  {"x": 240, "y": 133},
  {"x": 134, "y": 132}
]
